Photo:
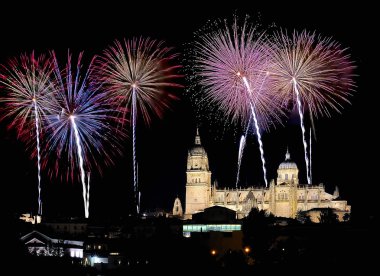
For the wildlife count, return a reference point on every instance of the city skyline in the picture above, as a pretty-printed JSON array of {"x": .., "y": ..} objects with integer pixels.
[{"x": 341, "y": 152}]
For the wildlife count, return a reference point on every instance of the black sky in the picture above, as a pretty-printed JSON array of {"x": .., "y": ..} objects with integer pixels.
[{"x": 344, "y": 154}]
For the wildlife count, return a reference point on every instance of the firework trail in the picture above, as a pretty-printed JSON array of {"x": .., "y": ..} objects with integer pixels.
[
  {"x": 139, "y": 75},
  {"x": 240, "y": 156},
  {"x": 82, "y": 172},
  {"x": 300, "y": 112},
  {"x": 311, "y": 72},
  {"x": 232, "y": 63},
  {"x": 135, "y": 176},
  {"x": 257, "y": 133},
  {"x": 38, "y": 156},
  {"x": 81, "y": 127},
  {"x": 29, "y": 89},
  {"x": 310, "y": 137}
]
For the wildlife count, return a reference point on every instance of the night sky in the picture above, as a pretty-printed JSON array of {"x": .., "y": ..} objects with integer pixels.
[{"x": 344, "y": 154}]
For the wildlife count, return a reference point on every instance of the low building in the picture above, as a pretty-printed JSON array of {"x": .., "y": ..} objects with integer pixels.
[{"x": 42, "y": 245}]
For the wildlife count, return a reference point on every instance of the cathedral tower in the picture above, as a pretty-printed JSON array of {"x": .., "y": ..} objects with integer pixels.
[
  {"x": 198, "y": 179},
  {"x": 286, "y": 189}
]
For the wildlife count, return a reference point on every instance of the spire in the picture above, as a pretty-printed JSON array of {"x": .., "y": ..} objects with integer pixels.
[
  {"x": 336, "y": 192},
  {"x": 287, "y": 155},
  {"x": 177, "y": 208},
  {"x": 197, "y": 138}
]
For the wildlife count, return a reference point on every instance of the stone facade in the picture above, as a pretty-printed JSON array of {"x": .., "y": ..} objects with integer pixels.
[{"x": 284, "y": 197}]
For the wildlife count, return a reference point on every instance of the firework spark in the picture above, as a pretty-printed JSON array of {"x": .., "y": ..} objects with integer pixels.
[
  {"x": 29, "y": 89},
  {"x": 231, "y": 63},
  {"x": 138, "y": 75},
  {"x": 81, "y": 128},
  {"x": 312, "y": 73}
]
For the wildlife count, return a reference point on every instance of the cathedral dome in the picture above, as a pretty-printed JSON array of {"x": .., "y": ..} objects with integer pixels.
[
  {"x": 197, "y": 150},
  {"x": 288, "y": 163}
]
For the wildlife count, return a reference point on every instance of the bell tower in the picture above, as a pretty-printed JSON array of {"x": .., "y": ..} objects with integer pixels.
[{"x": 198, "y": 179}]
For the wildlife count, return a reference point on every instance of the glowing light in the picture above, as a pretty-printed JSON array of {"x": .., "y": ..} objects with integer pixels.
[
  {"x": 213, "y": 252},
  {"x": 247, "y": 249}
]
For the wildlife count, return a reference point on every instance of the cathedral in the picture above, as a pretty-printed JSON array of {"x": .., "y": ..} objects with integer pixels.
[{"x": 283, "y": 198}]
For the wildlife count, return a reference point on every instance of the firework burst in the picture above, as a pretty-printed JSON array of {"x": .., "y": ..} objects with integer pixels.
[
  {"x": 81, "y": 130},
  {"x": 138, "y": 75},
  {"x": 312, "y": 73},
  {"x": 27, "y": 101},
  {"x": 231, "y": 63},
  {"x": 225, "y": 57}
]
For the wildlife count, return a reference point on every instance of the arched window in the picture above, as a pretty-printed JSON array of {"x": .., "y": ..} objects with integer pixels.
[{"x": 286, "y": 176}]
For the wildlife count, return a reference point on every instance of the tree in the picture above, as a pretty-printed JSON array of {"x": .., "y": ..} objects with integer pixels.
[
  {"x": 256, "y": 230},
  {"x": 328, "y": 216},
  {"x": 347, "y": 217},
  {"x": 303, "y": 217}
]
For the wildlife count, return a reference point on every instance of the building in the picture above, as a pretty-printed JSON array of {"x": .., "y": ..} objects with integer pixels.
[
  {"x": 30, "y": 218},
  {"x": 40, "y": 244},
  {"x": 284, "y": 197},
  {"x": 71, "y": 227},
  {"x": 217, "y": 229},
  {"x": 177, "y": 208}
]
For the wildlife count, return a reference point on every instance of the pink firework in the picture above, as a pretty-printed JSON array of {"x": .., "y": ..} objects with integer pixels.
[
  {"x": 227, "y": 56},
  {"x": 311, "y": 73},
  {"x": 232, "y": 65},
  {"x": 320, "y": 69}
]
